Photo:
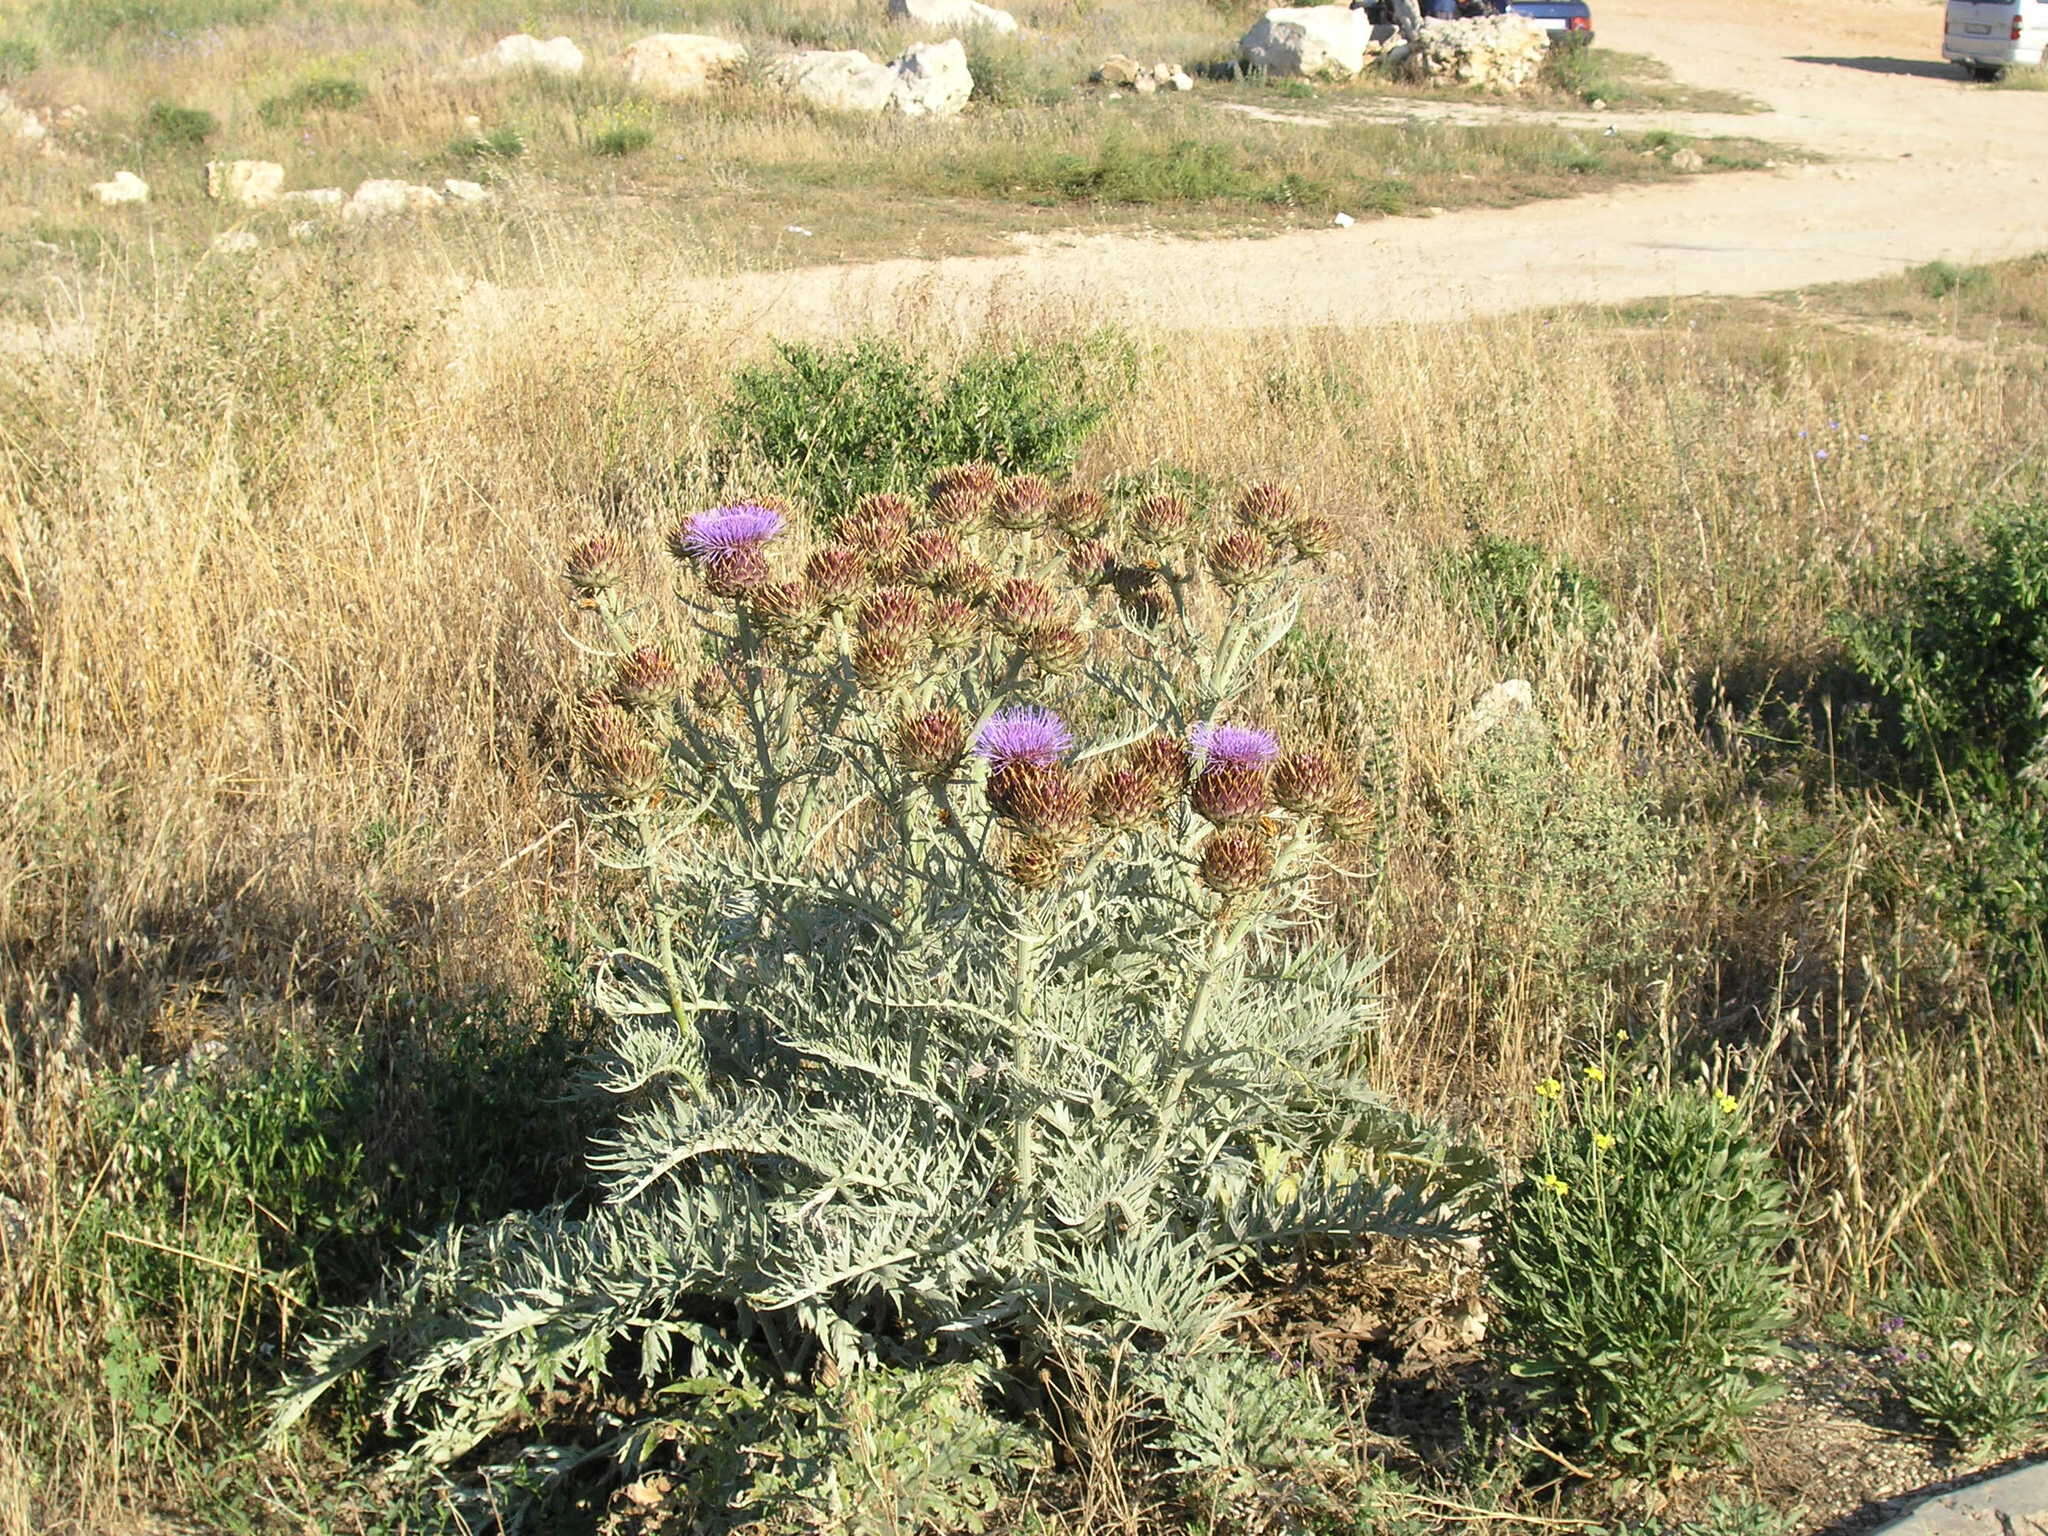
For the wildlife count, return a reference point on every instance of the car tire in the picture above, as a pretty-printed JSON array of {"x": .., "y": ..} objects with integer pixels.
[{"x": 1984, "y": 72}]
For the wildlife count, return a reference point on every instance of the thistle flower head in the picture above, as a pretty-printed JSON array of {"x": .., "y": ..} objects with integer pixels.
[
  {"x": 836, "y": 575},
  {"x": 1034, "y": 863},
  {"x": 1028, "y": 733},
  {"x": 1124, "y": 798},
  {"x": 1163, "y": 520},
  {"x": 894, "y": 615},
  {"x": 1227, "y": 796},
  {"x": 1164, "y": 763},
  {"x": 967, "y": 579},
  {"x": 1313, "y": 534},
  {"x": 1267, "y": 508},
  {"x": 931, "y": 743},
  {"x": 1021, "y": 605},
  {"x": 736, "y": 572},
  {"x": 621, "y": 761},
  {"x": 1045, "y": 801},
  {"x": 1304, "y": 782},
  {"x": 1057, "y": 650},
  {"x": 956, "y": 510},
  {"x": 927, "y": 557},
  {"x": 711, "y": 536},
  {"x": 1236, "y": 861},
  {"x": 1091, "y": 562},
  {"x": 1347, "y": 818},
  {"x": 876, "y": 527},
  {"x": 1141, "y": 595},
  {"x": 883, "y": 664},
  {"x": 646, "y": 679},
  {"x": 1233, "y": 746},
  {"x": 954, "y": 623},
  {"x": 1240, "y": 559},
  {"x": 1080, "y": 513},
  {"x": 1022, "y": 502},
  {"x": 782, "y": 607},
  {"x": 978, "y": 480},
  {"x": 594, "y": 565},
  {"x": 712, "y": 690}
]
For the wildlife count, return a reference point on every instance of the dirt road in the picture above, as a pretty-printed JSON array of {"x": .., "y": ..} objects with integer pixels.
[{"x": 1921, "y": 165}]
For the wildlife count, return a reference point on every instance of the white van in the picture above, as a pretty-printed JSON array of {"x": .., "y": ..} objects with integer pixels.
[{"x": 1987, "y": 36}]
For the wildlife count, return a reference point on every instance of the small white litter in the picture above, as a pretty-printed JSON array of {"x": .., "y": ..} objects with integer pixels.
[
  {"x": 1344, "y": 221},
  {"x": 798, "y": 229}
]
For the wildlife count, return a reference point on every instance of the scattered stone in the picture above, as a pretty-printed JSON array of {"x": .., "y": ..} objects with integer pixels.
[
  {"x": 315, "y": 197},
  {"x": 1688, "y": 160},
  {"x": 422, "y": 199},
  {"x": 932, "y": 79},
  {"x": 466, "y": 191},
  {"x": 1508, "y": 708},
  {"x": 1118, "y": 69},
  {"x": 556, "y": 56},
  {"x": 235, "y": 242},
  {"x": 251, "y": 183},
  {"x": 125, "y": 187},
  {"x": 1488, "y": 53},
  {"x": 952, "y": 15},
  {"x": 22, "y": 124},
  {"x": 680, "y": 63},
  {"x": 1309, "y": 41},
  {"x": 1126, "y": 73},
  {"x": 303, "y": 230},
  {"x": 379, "y": 198}
]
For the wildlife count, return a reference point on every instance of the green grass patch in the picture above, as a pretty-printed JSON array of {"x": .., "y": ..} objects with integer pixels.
[
  {"x": 168, "y": 124},
  {"x": 316, "y": 93},
  {"x": 621, "y": 139},
  {"x": 1632, "y": 81},
  {"x": 18, "y": 60}
]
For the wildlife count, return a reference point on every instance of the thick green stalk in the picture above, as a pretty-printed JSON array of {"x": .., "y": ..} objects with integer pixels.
[{"x": 1023, "y": 1002}]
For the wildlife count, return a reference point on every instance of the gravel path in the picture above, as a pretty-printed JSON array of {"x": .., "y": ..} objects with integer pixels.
[{"x": 1922, "y": 165}]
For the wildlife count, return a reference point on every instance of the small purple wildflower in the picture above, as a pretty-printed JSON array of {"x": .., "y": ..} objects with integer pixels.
[
  {"x": 1891, "y": 1325},
  {"x": 1862, "y": 437},
  {"x": 722, "y": 531},
  {"x": 1234, "y": 746},
  {"x": 1030, "y": 734},
  {"x": 1820, "y": 453}
]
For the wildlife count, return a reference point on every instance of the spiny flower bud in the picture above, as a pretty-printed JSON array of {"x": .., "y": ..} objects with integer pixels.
[
  {"x": 1164, "y": 520},
  {"x": 980, "y": 481},
  {"x": 1239, "y": 559},
  {"x": 954, "y": 623},
  {"x": 646, "y": 679},
  {"x": 1304, "y": 782},
  {"x": 1057, "y": 650},
  {"x": 1022, "y": 605},
  {"x": 885, "y": 506},
  {"x": 1225, "y": 795},
  {"x": 1266, "y": 508},
  {"x": 1236, "y": 861},
  {"x": 1164, "y": 762},
  {"x": 1044, "y": 801},
  {"x": 877, "y": 534},
  {"x": 782, "y": 608},
  {"x": 1124, "y": 798},
  {"x": 712, "y": 690},
  {"x": 736, "y": 573},
  {"x": 957, "y": 510},
  {"x": 624, "y": 764},
  {"x": 931, "y": 743},
  {"x": 894, "y": 615},
  {"x": 594, "y": 566},
  {"x": 882, "y": 664},
  {"x": 1347, "y": 818},
  {"x": 1034, "y": 863},
  {"x": 1091, "y": 562},
  {"x": 968, "y": 579},
  {"x": 1313, "y": 535},
  {"x": 1023, "y": 502},
  {"x": 927, "y": 557},
  {"x": 1080, "y": 513},
  {"x": 1141, "y": 595},
  {"x": 837, "y": 575}
]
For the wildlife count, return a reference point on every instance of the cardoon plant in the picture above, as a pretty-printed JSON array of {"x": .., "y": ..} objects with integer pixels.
[{"x": 970, "y": 993}]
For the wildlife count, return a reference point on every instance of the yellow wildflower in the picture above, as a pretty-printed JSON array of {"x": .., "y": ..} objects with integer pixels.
[
  {"x": 1727, "y": 1103},
  {"x": 1550, "y": 1088},
  {"x": 1602, "y": 1142},
  {"x": 1596, "y": 1074},
  {"x": 1554, "y": 1185},
  {"x": 1622, "y": 1036}
]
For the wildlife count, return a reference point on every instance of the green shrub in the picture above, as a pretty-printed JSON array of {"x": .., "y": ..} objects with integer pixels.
[
  {"x": 1009, "y": 72},
  {"x": 18, "y": 60},
  {"x": 842, "y": 423},
  {"x": 1519, "y": 591},
  {"x": 1639, "y": 1274},
  {"x": 184, "y": 127},
  {"x": 1970, "y": 1366},
  {"x": 317, "y": 93},
  {"x": 1941, "y": 279},
  {"x": 498, "y": 144},
  {"x": 87, "y": 26},
  {"x": 621, "y": 139}
]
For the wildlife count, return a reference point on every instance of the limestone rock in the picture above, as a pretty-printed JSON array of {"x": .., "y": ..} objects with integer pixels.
[
  {"x": 932, "y": 79},
  {"x": 556, "y": 56},
  {"x": 471, "y": 192},
  {"x": 379, "y": 198},
  {"x": 125, "y": 187},
  {"x": 1118, "y": 69},
  {"x": 1688, "y": 160},
  {"x": 839, "y": 81},
  {"x": 234, "y": 242},
  {"x": 1488, "y": 53},
  {"x": 22, "y": 124},
  {"x": 952, "y": 15},
  {"x": 1310, "y": 41},
  {"x": 303, "y": 230},
  {"x": 681, "y": 63},
  {"x": 315, "y": 197},
  {"x": 1508, "y": 709},
  {"x": 1126, "y": 73},
  {"x": 251, "y": 183}
]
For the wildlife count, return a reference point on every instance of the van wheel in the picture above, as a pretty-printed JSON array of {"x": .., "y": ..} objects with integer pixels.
[{"x": 1984, "y": 72}]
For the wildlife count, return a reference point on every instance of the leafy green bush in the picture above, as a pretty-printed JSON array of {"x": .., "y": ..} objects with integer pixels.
[
  {"x": 970, "y": 1001},
  {"x": 1638, "y": 1272},
  {"x": 1941, "y": 279},
  {"x": 498, "y": 144},
  {"x": 846, "y": 422},
  {"x": 1956, "y": 642},
  {"x": 18, "y": 60},
  {"x": 185, "y": 127},
  {"x": 1519, "y": 591},
  {"x": 316, "y": 93},
  {"x": 1970, "y": 1366},
  {"x": 621, "y": 139}
]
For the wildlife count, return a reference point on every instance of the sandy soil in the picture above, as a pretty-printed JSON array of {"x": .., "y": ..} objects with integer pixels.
[{"x": 1920, "y": 165}]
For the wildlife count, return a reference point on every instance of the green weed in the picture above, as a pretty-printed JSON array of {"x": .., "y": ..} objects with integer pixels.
[
  {"x": 317, "y": 93},
  {"x": 499, "y": 144},
  {"x": 18, "y": 60},
  {"x": 1970, "y": 1365},
  {"x": 182, "y": 127},
  {"x": 621, "y": 139},
  {"x": 1520, "y": 592},
  {"x": 1942, "y": 279}
]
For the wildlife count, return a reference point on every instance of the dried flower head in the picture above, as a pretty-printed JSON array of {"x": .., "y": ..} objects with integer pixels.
[
  {"x": 1348, "y": 818},
  {"x": 646, "y": 679},
  {"x": 1091, "y": 562},
  {"x": 1240, "y": 559},
  {"x": 594, "y": 566},
  {"x": 836, "y": 575},
  {"x": 1233, "y": 746},
  {"x": 930, "y": 744},
  {"x": 1267, "y": 508},
  {"x": 1164, "y": 520},
  {"x": 1057, "y": 650},
  {"x": 927, "y": 557},
  {"x": 970, "y": 580},
  {"x": 1236, "y": 861},
  {"x": 1164, "y": 762},
  {"x": 1034, "y": 863},
  {"x": 736, "y": 573},
  {"x": 1021, "y": 605},
  {"x": 1141, "y": 595},
  {"x": 884, "y": 665},
  {"x": 893, "y": 614},
  {"x": 1023, "y": 502},
  {"x": 711, "y": 537},
  {"x": 1080, "y": 513},
  {"x": 954, "y": 623},
  {"x": 980, "y": 481},
  {"x": 1304, "y": 782},
  {"x": 877, "y": 527},
  {"x": 1124, "y": 798},
  {"x": 782, "y": 608},
  {"x": 1313, "y": 534},
  {"x": 1047, "y": 802},
  {"x": 621, "y": 761},
  {"x": 1027, "y": 733}
]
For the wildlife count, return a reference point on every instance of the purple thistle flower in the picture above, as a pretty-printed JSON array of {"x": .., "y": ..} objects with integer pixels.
[
  {"x": 713, "y": 535},
  {"x": 1030, "y": 734},
  {"x": 1234, "y": 746}
]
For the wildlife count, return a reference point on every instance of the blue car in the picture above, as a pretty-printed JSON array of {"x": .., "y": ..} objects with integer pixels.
[{"x": 1569, "y": 22}]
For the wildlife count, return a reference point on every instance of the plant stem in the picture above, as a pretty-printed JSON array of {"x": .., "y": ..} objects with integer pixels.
[{"x": 1023, "y": 1000}]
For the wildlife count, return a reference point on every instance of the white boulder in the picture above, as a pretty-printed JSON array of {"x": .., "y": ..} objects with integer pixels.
[
  {"x": 251, "y": 183},
  {"x": 22, "y": 124},
  {"x": 1488, "y": 53},
  {"x": 315, "y": 197},
  {"x": 459, "y": 191},
  {"x": 1311, "y": 41},
  {"x": 838, "y": 81},
  {"x": 952, "y": 15},
  {"x": 681, "y": 63},
  {"x": 932, "y": 79},
  {"x": 556, "y": 56},
  {"x": 125, "y": 187},
  {"x": 380, "y": 198}
]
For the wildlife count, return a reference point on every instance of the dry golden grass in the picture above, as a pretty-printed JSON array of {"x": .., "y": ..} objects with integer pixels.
[{"x": 283, "y": 666}]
